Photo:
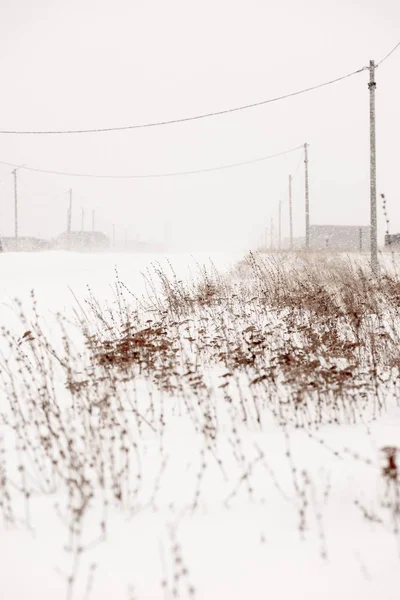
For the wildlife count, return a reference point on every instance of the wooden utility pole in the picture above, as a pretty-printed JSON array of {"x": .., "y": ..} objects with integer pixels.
[
  {"x": 271, "y": 235},
  {"x": 307, "y": 197},
  {"x": 290, "y": 213},
  {"x": 16, "y": 210},
  {"x": 374, "y": 219}
]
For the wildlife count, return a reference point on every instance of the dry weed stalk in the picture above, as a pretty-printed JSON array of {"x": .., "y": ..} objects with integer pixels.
[{"x": 297, "y": 344}]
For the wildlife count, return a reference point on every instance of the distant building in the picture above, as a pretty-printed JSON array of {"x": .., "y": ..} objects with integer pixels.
[
  {"x": 82, "y": 240},
  {"x": 392, "y": 240},
  {"x": 24, "y": 244},
  {"x": 340, "y": 237},
  {"x": 336, "y": 237}
]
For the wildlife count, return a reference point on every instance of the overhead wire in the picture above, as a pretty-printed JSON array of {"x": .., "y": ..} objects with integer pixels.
[
  {"x": 297, "y": 168},
  {"x": 156, "y": 175},
  {"x": 175, "y": 121},
  {"x": 388, "y": 54},
  {"x": 184, "y": 119}
]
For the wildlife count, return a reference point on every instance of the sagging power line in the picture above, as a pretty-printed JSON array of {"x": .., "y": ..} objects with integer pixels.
[
  {"x": 187, "y": 119},
  {"x": 156, "y": 175},
  {"x": 373, "y": 212},
  {"x": 202, "y": 116}
]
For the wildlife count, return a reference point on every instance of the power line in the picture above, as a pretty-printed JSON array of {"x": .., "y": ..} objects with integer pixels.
[
  {"x": 156, "y": 175},
  {"x": 297, "y": 168},
  {"x": 186, "y": 119},
  {"x": 389, "y": 54}
]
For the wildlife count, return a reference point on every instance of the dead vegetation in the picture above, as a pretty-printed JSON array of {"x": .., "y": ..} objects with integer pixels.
[
  {"x": 323, "y": 339},
  {"x": 292, "y": 344}
]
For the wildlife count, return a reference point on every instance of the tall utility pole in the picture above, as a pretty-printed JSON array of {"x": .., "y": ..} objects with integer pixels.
[
  {"x": 280, "y": 225},
  {"x": 16, "y": 210},
  {"x": 271, "y": 234},
  {"x": 290, "y": 213},
  {"x": 374, "y": 220},
  {"x": 307, "y": 197}
]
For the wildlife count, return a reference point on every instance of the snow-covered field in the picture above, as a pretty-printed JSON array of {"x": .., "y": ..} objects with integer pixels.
[
  {"x": 55, "y": 275},
  {"x": 229, "y": 439}
]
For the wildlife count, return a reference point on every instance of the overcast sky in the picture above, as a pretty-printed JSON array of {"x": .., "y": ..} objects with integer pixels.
[{"x": 100, "y": 63}]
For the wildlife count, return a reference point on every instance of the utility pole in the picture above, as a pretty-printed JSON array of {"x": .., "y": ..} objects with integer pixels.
[
  {"x": 374, "y": 220},
  {"x": 16, "y": 210},
  {"x": 271, "y": 235},
  {"x": 307, "y": 197},
  {"x": 290, "y": 213}
]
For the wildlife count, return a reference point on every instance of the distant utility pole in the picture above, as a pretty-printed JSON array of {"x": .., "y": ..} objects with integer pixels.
[
  {"x": 307, "y": 197},
  {"x": 374, "y": 220},
  {"x": 290, "y": 213},
  {"x": 93, "y": 220},
  {"x": 16, "y": 210},
  {"x": 271, "y": 235}
]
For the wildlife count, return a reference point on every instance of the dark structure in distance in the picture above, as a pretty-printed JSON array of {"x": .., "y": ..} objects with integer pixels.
[
  {"x": 392, "y": 240},
  {"x": 81, "y": 240},
  {"x": 25, "y": 244},
  {"x": 336, "y": 237}
]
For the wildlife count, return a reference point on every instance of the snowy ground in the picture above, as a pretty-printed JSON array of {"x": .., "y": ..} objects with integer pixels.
[
  {"x": 55, "y": 275},
  {"x": 195, "y": 500}
]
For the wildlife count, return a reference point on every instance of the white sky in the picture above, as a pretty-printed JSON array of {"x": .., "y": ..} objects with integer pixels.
[{"x": 97, "y": 63}]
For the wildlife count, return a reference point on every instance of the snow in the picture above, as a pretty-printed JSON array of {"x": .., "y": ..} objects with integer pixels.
[
  {"x": 53, "y": 274},
  {"x": 207, "y": 529}
]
